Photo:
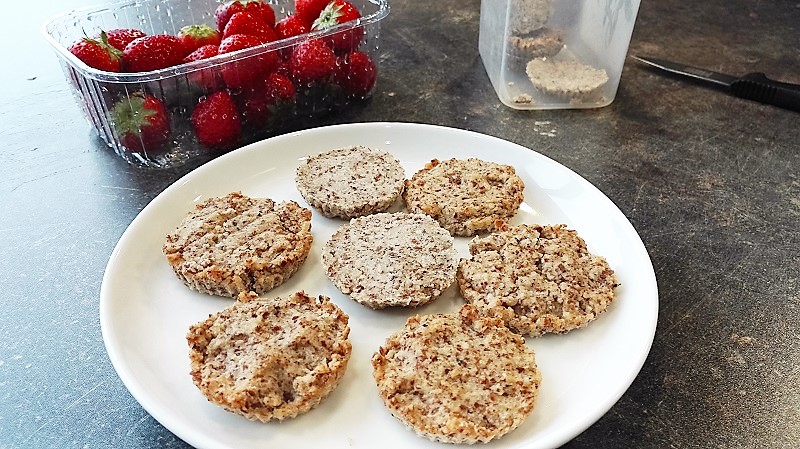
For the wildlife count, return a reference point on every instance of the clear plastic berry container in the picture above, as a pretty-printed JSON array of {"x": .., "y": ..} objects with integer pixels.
[
  {"x": 555, "y": 54},
  {"x": 181, "y": 88}
]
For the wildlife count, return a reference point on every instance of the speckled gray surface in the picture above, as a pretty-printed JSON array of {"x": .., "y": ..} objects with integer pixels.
[{"x": 709, "y": 181}]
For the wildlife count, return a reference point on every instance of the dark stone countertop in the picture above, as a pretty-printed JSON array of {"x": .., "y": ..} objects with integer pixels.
[{"x": 709, "y": 181}]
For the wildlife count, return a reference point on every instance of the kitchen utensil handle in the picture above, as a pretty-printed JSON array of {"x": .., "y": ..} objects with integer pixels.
[{"x": 758, "y": 87}]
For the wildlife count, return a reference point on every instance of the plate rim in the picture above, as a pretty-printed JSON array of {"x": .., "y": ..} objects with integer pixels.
[{"x": 185, "y": 433}]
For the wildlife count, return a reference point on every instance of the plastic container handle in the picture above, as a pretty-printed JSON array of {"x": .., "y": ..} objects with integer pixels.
[{"x": 758, "y": 87}]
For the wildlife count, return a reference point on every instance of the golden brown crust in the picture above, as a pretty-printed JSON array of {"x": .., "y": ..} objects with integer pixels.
[
  {"x": 234, "y": 244},
  {"x": 458, "y": 377},
  {"x": 537, "y": 279},
  {"x": 270, "y": 359},
  {"x": 466, "y": 196}
]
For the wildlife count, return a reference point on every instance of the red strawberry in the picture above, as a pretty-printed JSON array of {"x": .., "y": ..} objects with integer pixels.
[
  {"x": 216, "y": 121},
  {"x": 311, "y": 61},
  {"x": 196, "y": 36},
  {"x": 204, "y": 52},
  {"x": 259, "y": 101},
  {"x": 242, "y": 72},
  {"x": 206, "y": 79},
  {"x": 279, "y": 88},
  {"x": 356, "y": 74},
  {"x": 340, "y": 11},
  {"x": 98, "y": 54},
  {"x": 152, "y": 53},
  {"x": 258, "y": 8},
  {"x": 309, "y": 9},
  {"x": 121, "y": 37},
  {"x": 254, "y": 105},
  {"x": 141, "y": 122},
  {"x": 292, "y": 25},
  {"x": 247, "y": 23},
  {"x": 283, "y": 66}
]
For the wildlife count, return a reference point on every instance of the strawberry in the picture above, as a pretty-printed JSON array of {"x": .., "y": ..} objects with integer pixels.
[
  {"x": 311, "y": 61},
  {"x": 309, "y": 10},
  {"x": 216, "y": 121},
  {"x": 121, "y": 37},
  {"x": 195, "y": 36},
  {"x": 355, "y": 74},
  {"x": 247, "y": 23},
  {"x": 340, "y": 11},
  {"x": 242, "y": 72},
  {"x": 98, "y": 53},
  {"x": 258, "y": 8},
  {"x": 152, "y": 53},
  {"x": 259, "y": 101},
  {"x": 141, "y": 122},
  {"x": 279, "y": 88},
  {"x": 207, "y": 79},
  {"x": 283, "y": 66},
  {"x": 204, "y": 52},
  {"x": 291, "y": 25}
]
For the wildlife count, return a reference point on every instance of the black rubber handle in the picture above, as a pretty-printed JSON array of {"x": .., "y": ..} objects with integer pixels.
[{"x": 756, "y": 86}]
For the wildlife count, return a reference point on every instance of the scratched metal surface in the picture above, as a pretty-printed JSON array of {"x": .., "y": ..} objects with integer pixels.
[{"x": 710, "y": 182}]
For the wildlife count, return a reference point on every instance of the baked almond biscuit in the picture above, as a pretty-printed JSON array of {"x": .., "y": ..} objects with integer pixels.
[
  {"x": 234, "y": 244},
  {"x": 458, "y": 377},
  {"x": 566, "y": 78},
  {"x": 542, "y": 43},
  {"x": 466, "y": 196},
  {"x": 391, "y": 260},
  {"x": 537, "y": 279},
  {"x": 350, "y": 182},
  {"x": 530, "y": 15},
  {"x": 270, "y": 359}
]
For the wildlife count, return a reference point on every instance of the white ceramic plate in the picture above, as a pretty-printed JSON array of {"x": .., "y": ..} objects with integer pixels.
[{"x": 145, "y": 310}]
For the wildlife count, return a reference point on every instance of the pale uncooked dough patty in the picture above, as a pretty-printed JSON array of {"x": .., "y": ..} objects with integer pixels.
[
  {"x": 350, "y": 182},
  {"x": 387, "y": 260}
]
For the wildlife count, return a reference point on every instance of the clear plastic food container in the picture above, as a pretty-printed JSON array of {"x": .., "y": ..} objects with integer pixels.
[
  {"x": 99, "y": 92},
  {"x": 555, "y": 54}
]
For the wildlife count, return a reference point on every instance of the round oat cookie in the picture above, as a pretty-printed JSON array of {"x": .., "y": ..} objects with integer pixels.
[
  {"x": 530, "y": 15},
  {"x": 458, "y": 377},
  {"x": 542, "y": 43},
  {"x": 234, "y": 243},
  {"x": 537, "y": 279},
  {"x": 350, "y": 182},
  {"x": 270, "y": 359},
  {"x": 386, "y": 260},
  {"x": 466, "y": 196},
  {"x": 566, "y": 78}
]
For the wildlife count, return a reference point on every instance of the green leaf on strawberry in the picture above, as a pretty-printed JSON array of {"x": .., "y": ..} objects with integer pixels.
[
  {"x": 196, "y": 36},
  {"x": 338, "y": 12},
  {"x": 141, "y": 122}
]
